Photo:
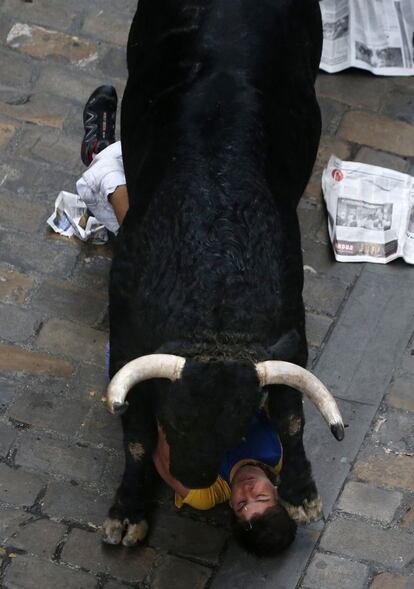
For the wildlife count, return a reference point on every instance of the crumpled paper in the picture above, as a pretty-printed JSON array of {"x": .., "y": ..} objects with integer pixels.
[{"x": 72, "y": 218}]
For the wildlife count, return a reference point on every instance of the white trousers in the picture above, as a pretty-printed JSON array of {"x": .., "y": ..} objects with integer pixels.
[{"x": 102, "y": 177}]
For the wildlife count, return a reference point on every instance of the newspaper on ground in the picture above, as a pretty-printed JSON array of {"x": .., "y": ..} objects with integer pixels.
[
  {"x": 375, "y": 35},
  {"x": 370, "y": 212},
  {"x": 71, "y": 217}
]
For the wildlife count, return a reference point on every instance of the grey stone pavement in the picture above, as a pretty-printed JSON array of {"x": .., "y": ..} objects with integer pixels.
[{"x": 60, "y": 457}]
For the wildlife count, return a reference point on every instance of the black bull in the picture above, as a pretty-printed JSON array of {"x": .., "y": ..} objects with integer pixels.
[{"x": 220, "y": 130}]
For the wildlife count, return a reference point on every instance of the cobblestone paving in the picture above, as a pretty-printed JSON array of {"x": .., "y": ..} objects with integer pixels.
[{"x": 60, "y": 457}]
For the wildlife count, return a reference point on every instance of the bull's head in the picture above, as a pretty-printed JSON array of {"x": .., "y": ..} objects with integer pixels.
[{"x": 209, "y": 405}]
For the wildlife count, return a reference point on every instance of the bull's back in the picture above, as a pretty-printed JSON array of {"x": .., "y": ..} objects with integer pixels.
[
  {"x": 176, "y": 47},
  {"x": 220, "y": 130}
]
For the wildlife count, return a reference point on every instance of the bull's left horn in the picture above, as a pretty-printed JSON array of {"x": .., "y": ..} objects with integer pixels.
[
  {"x": 275, "y": 372},
  {"x": 138, "y": 370}
]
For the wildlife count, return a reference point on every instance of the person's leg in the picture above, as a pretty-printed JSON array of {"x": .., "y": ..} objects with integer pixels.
[
  {"x": 102, "y": 186},
  {"x": 98, "y": 184},
  {"x": 119, "y": 201}
]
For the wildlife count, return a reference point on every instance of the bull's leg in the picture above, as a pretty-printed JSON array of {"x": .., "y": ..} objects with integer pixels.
[
  {"x": 297, "y": 488},
  {"x": 126, "y": 521}
]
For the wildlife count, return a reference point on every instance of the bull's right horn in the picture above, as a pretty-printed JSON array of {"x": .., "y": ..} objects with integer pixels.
[
  {"x": 275, "y": 372},
  {"x": 138, "y": 370}
]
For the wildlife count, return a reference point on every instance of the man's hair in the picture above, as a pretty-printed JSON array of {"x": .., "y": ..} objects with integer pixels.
[{"x": 266, "y": 534}]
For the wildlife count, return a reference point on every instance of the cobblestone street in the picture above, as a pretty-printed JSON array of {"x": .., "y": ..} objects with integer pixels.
[{"x": 60, "y": 451}]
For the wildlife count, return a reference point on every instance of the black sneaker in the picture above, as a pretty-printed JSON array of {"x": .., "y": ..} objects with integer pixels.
[{"x": 99, "y": 118}]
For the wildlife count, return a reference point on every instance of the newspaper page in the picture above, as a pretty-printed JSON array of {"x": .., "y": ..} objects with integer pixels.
[
  {"x": 375, "y": 35},
  {"x": 336, "y": 37},
  {"x": 370, "y": 212}
]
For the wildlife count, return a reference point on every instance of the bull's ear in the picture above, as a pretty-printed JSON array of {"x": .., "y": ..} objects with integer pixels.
[{"x": 289, "y": 348}]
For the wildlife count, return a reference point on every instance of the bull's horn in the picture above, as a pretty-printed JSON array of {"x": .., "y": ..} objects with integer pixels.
[
  {"x": 275, "y": 372},
  {"x": 143, "y": 368}
]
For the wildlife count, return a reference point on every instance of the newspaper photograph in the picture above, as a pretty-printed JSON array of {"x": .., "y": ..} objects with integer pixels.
[
  {"x": 370, "y": 212},
  {"x": 375, "y": 35}
]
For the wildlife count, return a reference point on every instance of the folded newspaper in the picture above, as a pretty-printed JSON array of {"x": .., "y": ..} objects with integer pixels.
[
  {"x": 375, "y": 35},
  {"x": 71, "y": 217},
  {"x": 370, "y": 212}
]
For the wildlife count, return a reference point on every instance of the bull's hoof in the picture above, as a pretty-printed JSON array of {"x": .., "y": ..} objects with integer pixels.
[
  {"x": 115, "y": 531},
  {"x": 135, "y": 533},
  {"x": 306, "y": 513}
]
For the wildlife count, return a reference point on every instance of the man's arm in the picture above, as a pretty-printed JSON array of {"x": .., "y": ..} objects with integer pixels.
[
  {"x": 202, "y": 499},
  {"x": 161, "y": 459}
]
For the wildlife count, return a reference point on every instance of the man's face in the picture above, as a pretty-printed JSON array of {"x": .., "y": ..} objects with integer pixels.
[{"x": 251, "y": 493}]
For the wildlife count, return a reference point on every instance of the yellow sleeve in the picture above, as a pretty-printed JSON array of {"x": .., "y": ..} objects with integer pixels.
[
  {"x": 279, "y": 465},
  {"x": 206, "y": 498}
]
